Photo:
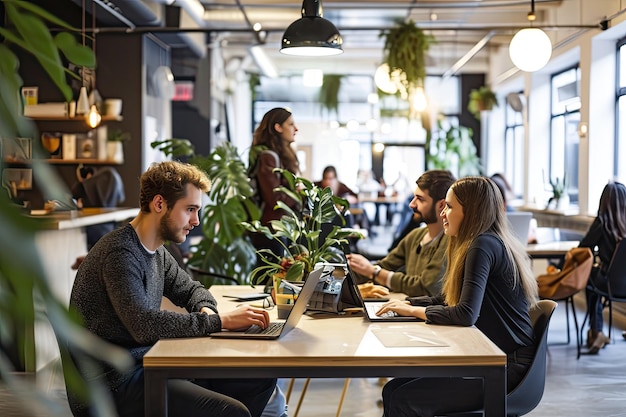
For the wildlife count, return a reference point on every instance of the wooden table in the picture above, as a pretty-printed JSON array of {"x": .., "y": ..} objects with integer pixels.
[
  {"x": 550, "y": 250},
  {"x": 326, "y": 347}
]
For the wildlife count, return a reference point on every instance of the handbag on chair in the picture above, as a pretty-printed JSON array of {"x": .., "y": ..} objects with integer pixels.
[{"x": 570, "y": 279}]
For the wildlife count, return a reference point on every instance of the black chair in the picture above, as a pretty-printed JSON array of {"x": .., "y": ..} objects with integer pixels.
[
  {"x": 528, "y": 393},
  {"x": 616, "y": 285}
]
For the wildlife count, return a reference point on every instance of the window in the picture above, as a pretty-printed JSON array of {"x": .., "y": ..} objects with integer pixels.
[
  {"x": 564, "y": 140},
  {"x": 620, "y": 137},
  {"x": 514, "y": 142}
]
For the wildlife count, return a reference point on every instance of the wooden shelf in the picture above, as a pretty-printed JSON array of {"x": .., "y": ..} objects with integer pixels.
[
  {"x": 76, "y": 119},
  {"x": 82, "y": 161},
  {"x": 15, "y": 164}
]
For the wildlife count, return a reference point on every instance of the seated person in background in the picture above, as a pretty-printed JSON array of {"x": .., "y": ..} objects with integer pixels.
[
  {"x": 505, "y": 189},
  {"x": 488, "y": 283},
  {"x": 329, "y": 179},
  {"x": 607, "y": 229},
  {"x": 118, "y": 292},
  {"x": 102, "y": 188},
  {"x": 415, "y": 266}
]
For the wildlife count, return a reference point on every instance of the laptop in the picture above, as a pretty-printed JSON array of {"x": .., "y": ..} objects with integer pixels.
[
  {"x": 371, "y": 307},
  {"x": 277, "y": 329},
  {"x": 519, "y": 221}
]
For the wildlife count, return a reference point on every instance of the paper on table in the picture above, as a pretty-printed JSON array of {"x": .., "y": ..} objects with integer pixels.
[{"x": 394, "y": 337}]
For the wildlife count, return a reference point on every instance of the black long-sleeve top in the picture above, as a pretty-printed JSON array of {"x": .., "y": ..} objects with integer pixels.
[
  {"x": 598, "y": 236},
  {"x": 488, "y": 298}
]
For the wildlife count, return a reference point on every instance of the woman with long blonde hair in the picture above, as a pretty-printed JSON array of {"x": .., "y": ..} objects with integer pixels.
[{"x": 488, "y": 283}]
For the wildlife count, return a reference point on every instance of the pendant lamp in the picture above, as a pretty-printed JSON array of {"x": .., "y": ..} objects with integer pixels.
[
  {"x": 530, "y": 49},
  {"x": 311, "y": 35}
]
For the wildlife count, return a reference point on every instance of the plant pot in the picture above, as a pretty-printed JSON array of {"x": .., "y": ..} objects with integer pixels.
[{"x": 115, "y": 152}]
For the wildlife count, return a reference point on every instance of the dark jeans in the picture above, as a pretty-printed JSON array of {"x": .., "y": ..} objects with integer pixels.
[
  {"x": 428, "y": 397},
  {"x": 191, "y": 398},
  {"x": 594, "y": 306}
]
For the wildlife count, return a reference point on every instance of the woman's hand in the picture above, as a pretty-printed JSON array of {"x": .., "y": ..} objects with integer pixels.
[
  {"x": 402, "y": 308},
  {"x": 243, "y": 317}
]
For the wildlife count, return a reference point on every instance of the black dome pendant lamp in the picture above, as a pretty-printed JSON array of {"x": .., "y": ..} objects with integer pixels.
[{"x": 312, "y": 35}]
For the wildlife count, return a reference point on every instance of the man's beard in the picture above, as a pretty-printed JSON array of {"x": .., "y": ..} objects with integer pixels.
[
  {"x": 430, "y": 217},
  {"x": 167, "y": 231}
]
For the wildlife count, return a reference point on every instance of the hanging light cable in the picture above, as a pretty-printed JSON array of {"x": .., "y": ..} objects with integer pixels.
[
  {"x": 530, "y": 49},
  {"x": 93, "y": 117}
]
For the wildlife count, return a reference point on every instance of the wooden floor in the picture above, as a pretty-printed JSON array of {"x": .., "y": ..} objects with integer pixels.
[{"x": 592, "y": 386}]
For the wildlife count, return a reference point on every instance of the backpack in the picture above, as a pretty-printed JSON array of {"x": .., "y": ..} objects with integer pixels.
[{"x": 256, "y": 197}]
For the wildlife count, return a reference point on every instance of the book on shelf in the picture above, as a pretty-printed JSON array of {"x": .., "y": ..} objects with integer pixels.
[
  {"x": 46, "y": 110},
  {"x": 68, "y": 146}
]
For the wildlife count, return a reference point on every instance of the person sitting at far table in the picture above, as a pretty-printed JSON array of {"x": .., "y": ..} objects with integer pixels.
[
  {"x": 488, "y": 283},
  {"x": 415, "y": 266},
  {"x": 118, "y": 292}
]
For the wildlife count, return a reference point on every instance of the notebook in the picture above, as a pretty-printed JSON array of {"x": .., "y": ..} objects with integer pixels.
[
  {"x": 519, "y": 222},
  {"x": 371, "y": 307},
  {"x": 277, "y": 329}
]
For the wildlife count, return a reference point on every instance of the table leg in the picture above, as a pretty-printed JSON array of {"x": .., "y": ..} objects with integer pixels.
[
  {"x": 495, "y": 392},
  {"x": 155, "y": 391}
]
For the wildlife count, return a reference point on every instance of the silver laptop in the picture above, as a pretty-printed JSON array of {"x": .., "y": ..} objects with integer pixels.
[
  {"x": 277, "y": 329},
  {"x": 519, "y": 221}
]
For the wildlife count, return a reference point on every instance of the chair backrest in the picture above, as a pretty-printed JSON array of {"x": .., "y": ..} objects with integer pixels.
[
  {"x": 519, "y": 222},
  {"x": 208, "y": 278},
  {"x": 526, "y": 396},
  {"x": 616, "y": 272}
]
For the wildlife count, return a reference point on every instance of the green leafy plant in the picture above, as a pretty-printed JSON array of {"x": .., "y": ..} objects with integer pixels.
[
  {"x": 225, "y": 248},
  {"x": 118, "y": 135},
  {"x": 329, "y": 92},
  {"x": 405, "y": 49},
  {"x": 481, "y": 99},
  {"x": 452, "y": 148},
  {"x": 300, "y": 234},
  {"x": 559, "y": 190},
  {"x": 22, "y": 275}
]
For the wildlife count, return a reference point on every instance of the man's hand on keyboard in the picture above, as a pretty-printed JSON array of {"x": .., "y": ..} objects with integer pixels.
[{"x": 243, "y": 317}]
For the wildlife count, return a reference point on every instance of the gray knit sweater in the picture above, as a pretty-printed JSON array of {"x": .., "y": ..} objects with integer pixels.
[{"x": 118, "y": 291}]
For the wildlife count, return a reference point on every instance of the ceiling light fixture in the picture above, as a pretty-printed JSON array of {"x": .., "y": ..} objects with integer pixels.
[
  {"x": 530, "y": 49},
  {"x": 312, "y": 35}
]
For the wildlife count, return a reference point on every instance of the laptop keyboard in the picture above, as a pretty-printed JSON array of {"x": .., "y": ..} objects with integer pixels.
[
  {"x": 373, "y": 308},
  {"x": 273, "y": 329}
]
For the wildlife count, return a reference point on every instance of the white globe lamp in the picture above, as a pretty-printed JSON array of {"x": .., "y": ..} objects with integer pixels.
[{"x": 530, "y": 49}]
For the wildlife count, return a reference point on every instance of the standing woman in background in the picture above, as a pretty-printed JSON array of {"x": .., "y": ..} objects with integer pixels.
[
  {"x": 488, "y": 283},
  {"x": 272, "y": 148},
  {"x": 608, "y": 228}
]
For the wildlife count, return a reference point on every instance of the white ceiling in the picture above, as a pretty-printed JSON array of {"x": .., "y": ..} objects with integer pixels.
[{"x": 456, "y": 25}]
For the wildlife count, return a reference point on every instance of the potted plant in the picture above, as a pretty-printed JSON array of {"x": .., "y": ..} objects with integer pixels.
[
  {"x": 404, "y": 53},
  {"x": 301, "y": 234},
  {"x": 560, "y": 198},
  {"x": 481, "y": 99},
  {"x": 329, "y": 92},
  {"x": 225, "y": 249},
  {"x": 115, "y": 145}
]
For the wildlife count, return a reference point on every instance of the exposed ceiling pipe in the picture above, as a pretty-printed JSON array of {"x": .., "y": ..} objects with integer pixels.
[{"x": 469, "y": 55}]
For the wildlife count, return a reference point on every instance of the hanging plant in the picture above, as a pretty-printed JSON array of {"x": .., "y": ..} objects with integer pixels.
[
  {"x": 481, "y": 99},
  {"x": 405, "y": 49},
  {"x": 329, "y": 92}
]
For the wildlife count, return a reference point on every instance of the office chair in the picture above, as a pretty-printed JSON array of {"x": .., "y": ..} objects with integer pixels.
[
  {"x": 616, "y": 285},
  {"x": 528, "y": 393}
]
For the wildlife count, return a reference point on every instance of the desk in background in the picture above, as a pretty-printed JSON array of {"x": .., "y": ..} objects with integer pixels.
[
  {"x": 325, "y": 347},
  {"x": 550, "y": 250}
]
